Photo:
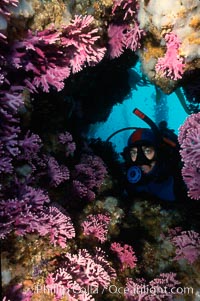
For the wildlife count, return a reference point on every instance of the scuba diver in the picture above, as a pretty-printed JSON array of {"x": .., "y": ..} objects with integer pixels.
[{"x": 152, "y": 162}]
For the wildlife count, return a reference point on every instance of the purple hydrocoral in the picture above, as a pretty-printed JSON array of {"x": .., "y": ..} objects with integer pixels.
[
  {"x": 81, "y": 274},
  {"x": 125, "y": 254},
  {"x": 67, "y": 140},
  {"x": 155, "y": 290},
  {"x": 21, "y": 213},
  {"x": 96, "y": 225},
  {"x": 43, "y": 60},
  {"x": 80, "y": 190},
  {"x": 88, "y": 176},
  {"x": 30, "y": 145},
  {"x": 2, "y": 74},
  {"x": 5, "y": 161},
  {"x": 171, "y": 65},
  {"x": 187, "y": 244},
  {"x": 50, "y": 56},
  {"x": 10, "y": 102},
  {"x": 116, "y": 35},
  {"x": 189, "y": 140},
  {"x": 28, "y": 213},
  {"x": 57, "y": 173},
  {"x": 3, "y": 60}
]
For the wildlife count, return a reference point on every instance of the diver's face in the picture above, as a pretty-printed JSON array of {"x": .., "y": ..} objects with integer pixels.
[{"x": 148, "y": 152}]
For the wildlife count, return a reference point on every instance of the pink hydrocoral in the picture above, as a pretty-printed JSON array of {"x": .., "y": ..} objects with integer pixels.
[
  {"x": 10, "y": 102},
  {"x": 5, "y": 161},
  {"x": 128, "y": 8},
  {"x": 96, "y": 226},
  {"x": 157, "y": 289},
  {"x": 116, "y": 39},
  {"x": 187, "y": 244},
  {"x": 39, "y": 55},
  {"x": 189, "y": 140},
  {"x": 80, "y": 273},
  {"x": 171, "y": 65},
  {"x": 123, "y": 36},
  {"x": 50, "y": 56},
  {"x": 125, "y": 254},
  {"x": 79, "y": 42},
  {"x": 58, "y": 226},
  {"x": 127, "y": 34}
]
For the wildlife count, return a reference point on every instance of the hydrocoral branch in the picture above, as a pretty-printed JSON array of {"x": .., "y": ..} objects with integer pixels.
[
  {"x": 187, "y": 244},
  {"x": 189, "y": 140},
  {"x": 172, "y": 64},
  {"x": 123, "y": 37},
  {"x": 42, "y": 59},
  {"x": 116, "y": 35},
  {"x": 125, "y": 254},
  {"x": 20, "y": 214},
  {"x": 50, "y": 56},
  {"x": 66, "y": 139},
  {"x": 79, "y": 43},
  {"x": 156, "y": 290},
  {"x": 3, "y": 61},
  {"x": 28, "y": 213},
  {"x": 191, "y": 122},
  {"x": 96, "y": 226},
  {"x": 30, "y": 145},
  {"x": 191, "y": 176},
  {"x": 57, "y": 173},
  {"x": 88, "y": 176},
  {"x": 59, "y": 227},
  {"x": 79, "y": 272},
  {"x": 127, "y": 34},
  {"x": 128, "y": 8}
]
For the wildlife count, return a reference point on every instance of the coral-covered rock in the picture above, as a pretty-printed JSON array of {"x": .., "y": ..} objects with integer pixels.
[{"x": 157, "y": 20}]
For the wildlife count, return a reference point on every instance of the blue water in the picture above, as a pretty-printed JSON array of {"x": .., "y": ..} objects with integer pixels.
[{"x": 169, "y": 109}]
